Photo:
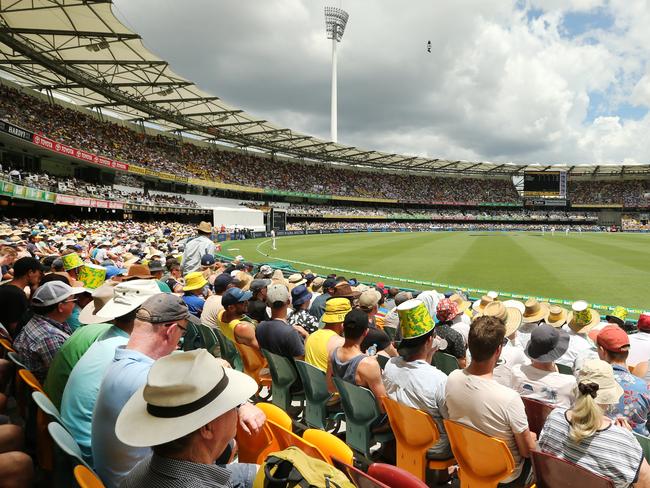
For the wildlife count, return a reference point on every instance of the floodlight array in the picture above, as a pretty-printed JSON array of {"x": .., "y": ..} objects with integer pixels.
[{"x": 335, "y": 22}]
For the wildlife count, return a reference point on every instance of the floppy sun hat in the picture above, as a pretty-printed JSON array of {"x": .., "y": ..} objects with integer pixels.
[
  {"x": 194, "y": 281},
  {"x": 184, "y": 392},
  {"x": 335, "y": 310}
]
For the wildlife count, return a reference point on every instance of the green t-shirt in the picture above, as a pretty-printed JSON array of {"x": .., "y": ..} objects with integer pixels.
[
  {"x": 66, "y": 358},
  {"x": 163, "y": 287}
]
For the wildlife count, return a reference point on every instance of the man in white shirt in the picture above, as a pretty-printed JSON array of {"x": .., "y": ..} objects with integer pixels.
[
  {"x": 640, "y": 343},
  {"x": 580, "y": 321},
  {"x": 196, "y": 248},
  {"x": 474, "y": 398},
  {"x": 541, "y": 379}
]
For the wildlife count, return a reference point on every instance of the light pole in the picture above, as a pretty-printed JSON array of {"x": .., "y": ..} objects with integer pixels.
[{"x": 335, "y": 22}]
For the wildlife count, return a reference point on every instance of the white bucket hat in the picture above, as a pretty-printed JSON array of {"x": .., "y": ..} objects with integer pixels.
[
  {"x": 184, "y": 392},
  {"x": 127, "y": 296}
]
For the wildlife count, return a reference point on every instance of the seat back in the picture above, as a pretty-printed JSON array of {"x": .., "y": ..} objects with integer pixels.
[
  {"x": 13, "y": 357},
  {"x": 445, "y": 362},
  {"x": 284, "y": 375},
  {"x": 361, "y": 411},
  {"x": 358, "y": 477},
  {"x": 553, "y": 472},
  {"x": 275, "y": 414},
  {"x": 252, "y": 360},
  {"x": 46, "y": 412},
  {"x": 87, "y": 478},
  {"x": 229, "y": 351},
  {"x": 536, "y": 411},
  {"x": 66, "y": 457},
  {"x": 415, "y": 432},
  {"x": 483, "y": 460},
  {"x": 254, "y": 445},
  {"x": 395, "y": 476},
  {"x": 564, "y": 369},
  {"x": 316, "y": 394},
  {"x": 29, "y": 379},
  {"x": 382, "y": 360},
  {"x": 645, "y": 445},
  {"x": 6, "y": 346},
  {"x": 329, "y": 444},
  {"x": 286, "y": 438}
]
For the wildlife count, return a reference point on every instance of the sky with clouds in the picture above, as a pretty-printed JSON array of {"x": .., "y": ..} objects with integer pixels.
[{"x": 527, "y": 81}]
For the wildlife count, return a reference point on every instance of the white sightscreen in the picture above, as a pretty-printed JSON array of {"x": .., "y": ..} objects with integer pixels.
[{"x": 240, "y": 217}]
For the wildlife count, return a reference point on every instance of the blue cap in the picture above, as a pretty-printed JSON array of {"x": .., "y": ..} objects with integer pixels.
[
  {"x": 207, "y": 260},
  {"x": 235, "y": 295},
  {"x": 114, "y": 271},
  {"x": 300, "y": 295},
  {"x": 221, "y": 282}
]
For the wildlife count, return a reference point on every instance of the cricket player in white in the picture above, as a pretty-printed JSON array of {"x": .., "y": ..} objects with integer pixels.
[{"x": 273, "y": 238}]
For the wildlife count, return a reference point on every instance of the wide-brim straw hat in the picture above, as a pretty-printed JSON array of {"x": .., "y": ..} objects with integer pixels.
[
  {"x": 177, "y": 401},
  {"x": 535, "y": 311},
  {"x": 510, "y": 316},
  {"x": 479, "y": 305},
  {"x": 582, "y": 319},
  {"x": 461, "y": 302},
  {"x": 205, "y": 227},
  {"x": 557, "y": 316}
]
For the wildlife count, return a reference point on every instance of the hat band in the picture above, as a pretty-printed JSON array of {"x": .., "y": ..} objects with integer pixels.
[{"x": 188, "y": 408}]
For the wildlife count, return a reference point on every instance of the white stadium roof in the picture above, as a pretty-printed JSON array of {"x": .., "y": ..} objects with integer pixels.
[{"x": 79, "y": 48}]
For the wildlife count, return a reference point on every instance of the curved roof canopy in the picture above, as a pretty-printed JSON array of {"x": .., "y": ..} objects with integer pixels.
[{"x": 79, "y": 48}]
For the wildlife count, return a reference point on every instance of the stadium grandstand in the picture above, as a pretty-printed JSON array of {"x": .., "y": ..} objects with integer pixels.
[{"x": 195, "y": 296}]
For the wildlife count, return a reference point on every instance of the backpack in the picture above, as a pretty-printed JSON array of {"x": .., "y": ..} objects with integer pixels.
[{"x": 293, "y": 468}]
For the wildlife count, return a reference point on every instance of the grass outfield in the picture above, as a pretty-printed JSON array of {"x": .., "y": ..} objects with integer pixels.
[{"x": 611, "y": 269}]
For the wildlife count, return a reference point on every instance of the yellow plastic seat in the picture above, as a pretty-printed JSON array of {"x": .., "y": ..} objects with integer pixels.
[
  {"x": 29, "y": 379},
  {"x": 415, "y": 432},
  {"x": 483, "y": 460},
  {"x": 86, "y": 478},
  {"x": 286, "y": 438},
  {"x": 254, "y": 363},
  {"x": 253, "y": 448},
  {"x": 6, "y": 345},
  {"x": 275, "y": 414},
  {"x": 329, "y": 444}
]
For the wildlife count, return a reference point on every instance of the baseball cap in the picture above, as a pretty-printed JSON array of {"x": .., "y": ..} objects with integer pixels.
[
  {"x": 257, "y": 285},
  {"x": 207, "y": 260},
  {"x": 329, "y": 283},
  {"x": 162, "y": 308},
  {"x": 369, "y": 299},
  {"x": 355, "y": 320},
  {"x": 235, "y": 295},
  {"x": 277, "y": 293},
  {"x": 266, "y": 270},
  {"x": 643, "y": 324},
  {"x": 156, "y": 265},
  {"x": 54, "y": 292},
  {"x": 222, "y": 281},
  {"x": 613, "y": 339}
]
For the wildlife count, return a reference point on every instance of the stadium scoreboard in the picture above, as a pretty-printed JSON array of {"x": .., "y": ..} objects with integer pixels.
[{"x": 546, "y": 184}]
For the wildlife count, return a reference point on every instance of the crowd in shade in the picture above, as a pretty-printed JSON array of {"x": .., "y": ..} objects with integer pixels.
[
  {"x": 95, "y": 310},
  {"x": 629, "y": 193},
  {"x": 308, "y": 225},
  {"x": 70, "y": 185}
]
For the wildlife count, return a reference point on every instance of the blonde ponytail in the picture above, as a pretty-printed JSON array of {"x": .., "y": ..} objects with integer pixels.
[{"x": 586, "y": 414}]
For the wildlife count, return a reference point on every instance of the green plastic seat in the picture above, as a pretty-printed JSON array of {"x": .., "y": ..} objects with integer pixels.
[
  {"x": 283, "y": 376},
  {"x": 563, "y": 369},
  {"x": 66, "y": 457},
  {"x": 316, "y": 397},
  {"x": 645, "y": 445},
  {"x": 445, "y": 362},
  {"x": 382, "y": 360},
  {"x": 361, "y": 411},
  {"x": 228, "y": 351}
]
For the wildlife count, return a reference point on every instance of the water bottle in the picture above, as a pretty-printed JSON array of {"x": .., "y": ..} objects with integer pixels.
[{"x": 372, "y": 350}]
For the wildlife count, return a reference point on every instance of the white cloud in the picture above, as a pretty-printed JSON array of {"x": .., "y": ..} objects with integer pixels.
[{"x": 498, "y": 86}]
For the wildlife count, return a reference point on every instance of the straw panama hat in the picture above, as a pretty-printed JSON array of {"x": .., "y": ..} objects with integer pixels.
[
  {"x": 511, "y": 317},
  {"x": 205, "y": 227},
  {"x": 599, "y": 372},
  {"x": 461, "y": 302},
  {"x": 582, "y": 319},
  {"x": 535, "y": 311},
  {"x": 184, "y": 392},
  {"x": 557, "y": 316},
  {"x": 479, "y": 305}
]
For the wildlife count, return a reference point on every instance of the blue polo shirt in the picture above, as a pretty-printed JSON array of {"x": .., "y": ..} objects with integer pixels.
[
  {"x": 112, "y": 460},
  {"x": 82, "y": 388},
  {"x": 195, "y": 304}
]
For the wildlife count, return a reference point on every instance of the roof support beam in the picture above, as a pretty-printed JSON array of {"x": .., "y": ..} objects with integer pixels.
[
  {"x": 232, "y": 124},
  {"x": 218, "y": 112},
  {"x": 272, "y": 131},
  {"x": 71, "y": 33},
  {"x": 290, "y": 139},
  {"x": 156, "y": 84}
]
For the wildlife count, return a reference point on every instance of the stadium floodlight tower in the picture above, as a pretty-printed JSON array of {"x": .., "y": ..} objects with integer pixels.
[{"x": 335, "y": 21}]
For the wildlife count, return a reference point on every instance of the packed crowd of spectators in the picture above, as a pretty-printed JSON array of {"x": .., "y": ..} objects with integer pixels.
[
  {"x": 74, "y": 186},
  {"x": 117, "y": 321},
  {"x": 629, "y": 193},
  {"x": 427, "y": 226}
]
